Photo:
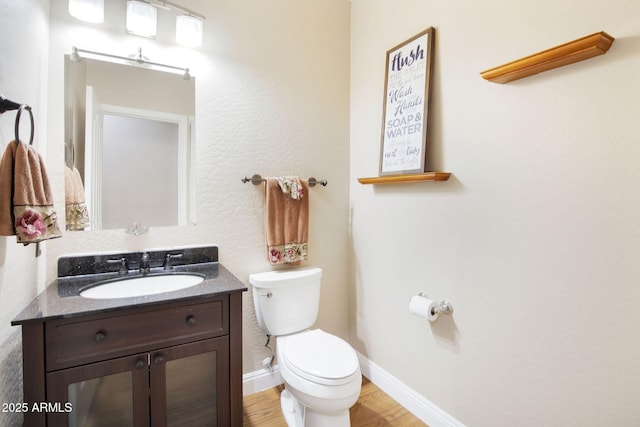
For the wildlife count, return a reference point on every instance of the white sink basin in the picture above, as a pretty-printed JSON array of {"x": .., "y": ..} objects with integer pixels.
[{"x": 141, "y": 286}]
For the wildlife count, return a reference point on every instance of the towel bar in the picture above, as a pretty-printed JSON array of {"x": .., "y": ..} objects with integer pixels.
[{"x": 257, "y": 179}]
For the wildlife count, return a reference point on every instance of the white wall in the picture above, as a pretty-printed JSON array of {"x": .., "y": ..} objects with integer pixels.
[
  {"x": 22, "y": 61},
  {"x": 534, "y": 239}
]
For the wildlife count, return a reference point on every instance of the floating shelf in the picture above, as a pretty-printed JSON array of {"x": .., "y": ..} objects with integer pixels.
[
  {"x": 396, "y": 179},
  {"x": 565, "y": 54}
]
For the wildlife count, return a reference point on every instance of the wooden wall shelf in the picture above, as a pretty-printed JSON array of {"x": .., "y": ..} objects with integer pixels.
[
  {"x": 397, "y": 179},
  {"x": 565, "y": 54}
]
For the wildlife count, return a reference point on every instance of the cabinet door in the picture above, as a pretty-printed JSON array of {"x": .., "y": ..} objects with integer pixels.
[
  {"x": 190, "y": 384},
  {"x": 110, "y": 393}
]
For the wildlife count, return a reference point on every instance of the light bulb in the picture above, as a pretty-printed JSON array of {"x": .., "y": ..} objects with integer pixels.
[
  {"x": 141, "y": 18},
  {"x": 189, "y": 30}
]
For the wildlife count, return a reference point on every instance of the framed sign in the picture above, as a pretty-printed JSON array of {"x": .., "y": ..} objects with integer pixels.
[{"x": 405, "y": 115}]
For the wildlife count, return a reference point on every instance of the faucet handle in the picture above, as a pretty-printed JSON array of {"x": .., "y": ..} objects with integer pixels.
[
  {"x": 145, "y": 265},
  {"x": 124, "y": 264},
  {"x": 167, "y": 260}
]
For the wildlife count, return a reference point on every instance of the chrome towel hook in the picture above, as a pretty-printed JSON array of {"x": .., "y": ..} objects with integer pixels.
[{"x": 6, "y": 105}]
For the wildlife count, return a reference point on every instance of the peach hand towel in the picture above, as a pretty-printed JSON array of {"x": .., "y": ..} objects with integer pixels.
[
  {"x": 286, "y": 219},
  {"x": 26, "y": 202}
]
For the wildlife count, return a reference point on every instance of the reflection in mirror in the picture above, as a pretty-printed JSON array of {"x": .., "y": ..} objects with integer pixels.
[{"x": 129, "y": 146}]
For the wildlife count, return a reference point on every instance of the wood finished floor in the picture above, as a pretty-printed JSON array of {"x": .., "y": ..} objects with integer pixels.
[{"x": 373, "y": 408}]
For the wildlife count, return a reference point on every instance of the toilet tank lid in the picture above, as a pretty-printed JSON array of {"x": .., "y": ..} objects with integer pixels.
[{"x": 271, "y": 279}]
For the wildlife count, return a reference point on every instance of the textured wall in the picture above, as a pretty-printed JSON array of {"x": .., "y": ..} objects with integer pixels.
[
  {"x": 535, "y": 239},
  {"x": 11, "y": 377},
  {"x": 23, "y": 56},
  {"x": 272, "y": 97}
]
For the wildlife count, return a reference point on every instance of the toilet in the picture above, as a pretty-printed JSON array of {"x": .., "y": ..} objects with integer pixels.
[{"x": 321, "y": 372}]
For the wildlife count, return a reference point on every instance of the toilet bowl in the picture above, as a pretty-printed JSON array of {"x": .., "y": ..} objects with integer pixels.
[{"x": 321, "y": 371}]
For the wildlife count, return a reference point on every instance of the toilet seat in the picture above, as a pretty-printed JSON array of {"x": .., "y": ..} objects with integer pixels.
[{"x": 319, "y": 357}]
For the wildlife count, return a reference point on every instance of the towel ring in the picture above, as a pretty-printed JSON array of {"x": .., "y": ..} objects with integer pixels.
[{"x": 24, "y": 107}]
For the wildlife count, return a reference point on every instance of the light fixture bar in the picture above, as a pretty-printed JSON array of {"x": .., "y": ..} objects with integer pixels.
[
  {"x": 137, "y": 58},
  {"x": 176, "y": 6}
]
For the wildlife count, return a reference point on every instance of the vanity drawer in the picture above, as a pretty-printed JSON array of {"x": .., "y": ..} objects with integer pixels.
[{"x": 71, "y": 342}]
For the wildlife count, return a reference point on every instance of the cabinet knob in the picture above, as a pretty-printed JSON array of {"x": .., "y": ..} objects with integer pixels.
[
  {"x": 140, "y": 363},
  {"x": 158, "y": 358},
  {"x": 100, "y": 336},
  {"x": 191, "y": 320}
]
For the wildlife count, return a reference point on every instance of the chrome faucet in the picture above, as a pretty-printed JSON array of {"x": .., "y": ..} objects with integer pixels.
[
  {"x": 167, "y": 260},
  {"x": 144, "y": 263},
  {"x": 124, "y": 266}
]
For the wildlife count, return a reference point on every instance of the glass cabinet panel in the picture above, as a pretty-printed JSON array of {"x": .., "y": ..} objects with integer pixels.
[
  {"x": 102, "y": 402},
  {"x": 110, "y": 393},
  {"x": 191, "y": 391},
  {"x": 190, "y": 384}
]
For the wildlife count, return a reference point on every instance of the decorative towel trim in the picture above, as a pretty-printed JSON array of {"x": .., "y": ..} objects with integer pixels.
[
  {"x": 35, "y": 223},
  {"x": 77, "y": 216},
  {"x": 287, "y": 253},
  {"x": 291, "y": 187}
]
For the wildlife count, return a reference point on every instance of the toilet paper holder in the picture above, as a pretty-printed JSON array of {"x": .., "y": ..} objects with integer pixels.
[{"x": 443, "y": 307}]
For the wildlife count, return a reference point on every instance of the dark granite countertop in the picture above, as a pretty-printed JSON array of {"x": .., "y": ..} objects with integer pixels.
[{"x": 61, "y": 298}]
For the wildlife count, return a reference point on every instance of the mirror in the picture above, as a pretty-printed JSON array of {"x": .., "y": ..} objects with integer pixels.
[{"x": 129, "y": 146}]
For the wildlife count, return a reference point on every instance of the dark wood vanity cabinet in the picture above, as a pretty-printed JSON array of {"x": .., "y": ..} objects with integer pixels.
[{"x": 171, "y": 364}]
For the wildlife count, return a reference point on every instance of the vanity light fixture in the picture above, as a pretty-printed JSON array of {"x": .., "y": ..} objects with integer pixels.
[
  {"x": 141, "y": 18},
  {"x": 87, "y": 10},
  {"x": 189, "y": 30}
]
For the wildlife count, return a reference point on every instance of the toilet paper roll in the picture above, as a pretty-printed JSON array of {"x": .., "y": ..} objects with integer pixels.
[{"x": 424, "y": 307}]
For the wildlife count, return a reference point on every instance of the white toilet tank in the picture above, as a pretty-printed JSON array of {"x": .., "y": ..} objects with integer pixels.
[{"x": 286, "y": 301}]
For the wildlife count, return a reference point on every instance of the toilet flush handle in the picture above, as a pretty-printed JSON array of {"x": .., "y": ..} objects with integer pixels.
[{"x": 268, "y": 295}]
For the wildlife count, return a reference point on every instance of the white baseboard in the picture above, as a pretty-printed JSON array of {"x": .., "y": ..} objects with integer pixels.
[
  {"x": 260, "y": 380},
  {"x": 422, "y": 408}
]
